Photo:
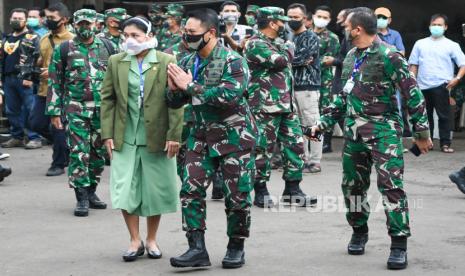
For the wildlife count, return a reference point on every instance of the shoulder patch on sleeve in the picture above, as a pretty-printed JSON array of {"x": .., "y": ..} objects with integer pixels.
[{"x": 30, "y": 36}]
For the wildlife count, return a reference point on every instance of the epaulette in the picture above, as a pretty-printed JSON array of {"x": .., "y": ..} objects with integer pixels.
[{"x": 30, "y": 36}]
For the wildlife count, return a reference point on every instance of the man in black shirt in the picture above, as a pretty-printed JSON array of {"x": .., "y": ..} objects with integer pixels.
[
  {"x": 307, "y": 80},
  {"x": 18, "y": 55}
]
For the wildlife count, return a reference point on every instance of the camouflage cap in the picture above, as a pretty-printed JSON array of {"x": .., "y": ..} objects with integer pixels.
[
  {"x": 155, "y": 8},
  {"x": 85, "y": 15},
  {"x": 100, "y": 17},
  {"x": 252, "y": 8},
  {"x": 273, "y": 13},
  {"x": 174, "y": 13},
  {"x": 118, "y": 13},
  {"x": 175, "y": 7}
]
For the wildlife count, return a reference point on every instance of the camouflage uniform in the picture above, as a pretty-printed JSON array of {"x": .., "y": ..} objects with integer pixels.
[
  {"x": 373, "y": 131},
  {"x": 329, "y": 47},
  {"x": 223, "y": 136},
  {"x": 166, "y": 38},
  {"x": 121, "y": 15},
  {"x": 156, "y": 16},
  {"x": 270, "y": 98},
  {"x": 100, "y": 20},
  {"x": 74, "y": 91}
]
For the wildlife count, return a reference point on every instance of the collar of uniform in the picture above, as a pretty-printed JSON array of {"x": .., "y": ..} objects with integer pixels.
[
  {"x": 374, "y": 47},
  {"x": 63, "y": 34},
  {"x": 264, "y": 37},
  {"x": 151, "y": 57},
  {"x": 94, "y": 43}
]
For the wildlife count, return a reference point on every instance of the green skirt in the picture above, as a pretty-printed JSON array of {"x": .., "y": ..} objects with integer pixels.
[{"x": 143, "y": 183}]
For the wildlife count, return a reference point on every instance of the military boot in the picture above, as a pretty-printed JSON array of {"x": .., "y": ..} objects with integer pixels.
[
  {"x": 458, "y": 178},
  {"x": 262, "y": 196},
  {"x": 235, "y": 255},
  {"x": 293, "y": 194},
  {"x": 357, "y": 242},
  {"x": 82, "y": 205},
  {"x": 398, "y": 257},
  {"x": 196, "y": 255},
  {"x": 94, "y": 200}
]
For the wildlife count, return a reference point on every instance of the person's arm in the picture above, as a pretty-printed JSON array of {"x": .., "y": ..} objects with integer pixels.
[
  {"x": 307, "y": 52},
  {"x": 175, "y": 119},
  {"x": 414, "y": 59},
  {"x": 108, "y": 103},
  {"x": 258, "y": 52},
  {"x": 55, "y": 85},
  {"x": 399, "y": 73},
  {"x": 399, "y": 43},
  {"x": 459, "y": 58},
  {"x": 29, "y": 54},
  {"x": 332, "y": 114}
]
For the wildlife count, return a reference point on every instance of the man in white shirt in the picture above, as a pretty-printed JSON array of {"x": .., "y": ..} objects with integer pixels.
[{"x": 433, "y": 61}]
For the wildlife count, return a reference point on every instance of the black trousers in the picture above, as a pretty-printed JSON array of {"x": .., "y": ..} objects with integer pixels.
[{"x": 437, "y": 98}]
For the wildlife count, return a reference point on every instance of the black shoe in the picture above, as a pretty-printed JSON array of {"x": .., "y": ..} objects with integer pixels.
[
  {"x": 130, "y": 256},
  {"x": 327, "y": 137},
  {"x": 262, "y": 196},
  {"x": 292, "y": 194},
  {"x": 4, "y": 172},
  {"x": 459, "y": 179},
  {"x": 217, "y": 193},
  {"x": 196, "y": 255},
  {"x": 94, "y": 200},
  {"x": 55, "y": 171},
  {"x": 357, "y": 244},
  {"x": 397, "y": 259},
  {"x": 82, "y": 205},
  {"x": 234, "y": 258},
  {"x": 154, "y": 254}
]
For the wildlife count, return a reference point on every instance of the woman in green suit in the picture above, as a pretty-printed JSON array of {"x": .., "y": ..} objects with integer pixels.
[{"x": 141, "y": 135}]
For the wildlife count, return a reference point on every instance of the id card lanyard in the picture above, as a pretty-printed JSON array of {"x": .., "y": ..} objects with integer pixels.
[
  {"x": 196, "y": 67},
  {"x": 351, "y": 82},
  {"x": 141, "y": 85}
]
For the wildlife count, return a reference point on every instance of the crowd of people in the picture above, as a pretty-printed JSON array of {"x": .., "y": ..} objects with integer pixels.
[{"x": 197, "y": 96}]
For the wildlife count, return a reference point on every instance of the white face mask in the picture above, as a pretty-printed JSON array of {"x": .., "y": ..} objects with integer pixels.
[
  {"x": 320, "y": 23},
  {"x": 132, "y": 47}
]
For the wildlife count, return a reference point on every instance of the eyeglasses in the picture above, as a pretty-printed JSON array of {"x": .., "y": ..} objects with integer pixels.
[{"x": 381, "y": 17}]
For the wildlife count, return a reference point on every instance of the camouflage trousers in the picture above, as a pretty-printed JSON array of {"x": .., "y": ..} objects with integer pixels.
[
  {"x": 326, "y": 86},
  {"x": 285, "y": 128},
  {"x": 386, "y": 154},
  {"x": 86, "y": 157},
  {"x": 238, "y": 169}
]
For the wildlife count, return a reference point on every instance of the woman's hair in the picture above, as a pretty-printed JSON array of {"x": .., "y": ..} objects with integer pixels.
[{"x": 140, "y": 23}]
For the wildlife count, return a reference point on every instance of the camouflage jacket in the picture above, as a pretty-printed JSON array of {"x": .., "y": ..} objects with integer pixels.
[
  {"x": 116, "y": 40},
  {"x": 271, "y": 85},
  {"x": 370, "y": 108},
  {"x": 29, "y": 54},
  {"x": 223, "y": 122},
  {"x": 166, "y": 39},
  {"x": 329, "y": 46},
  {"x": 76, "y": 87}
]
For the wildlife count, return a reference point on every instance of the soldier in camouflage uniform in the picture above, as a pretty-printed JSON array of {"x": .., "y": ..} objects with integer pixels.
[
  {"x": 157, "y": 17},
  {"x": 100, "y": 22},
  {"x": 171, "y": 34},
  {"x": 373, "y": 132},
  {"x": 270, "y": 96},
  {"x": 223, "y": 136},
  {"x": 112, "y": 32},
  {"x": 329, "y": 49},
  {"x": 76, "y": 73}
]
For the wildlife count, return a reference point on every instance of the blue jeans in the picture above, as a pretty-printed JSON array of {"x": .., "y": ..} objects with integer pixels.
[
  {"x": 41, "y": 123},
  {"x": 18, "y": 106}
]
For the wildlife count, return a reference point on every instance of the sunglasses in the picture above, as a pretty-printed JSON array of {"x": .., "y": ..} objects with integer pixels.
[{"x": 381, "y": 17}]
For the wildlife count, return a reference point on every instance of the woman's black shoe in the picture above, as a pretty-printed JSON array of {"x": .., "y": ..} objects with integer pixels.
[
  {"x": 131, "y": 256},
  {"x": 154, "y": 254}
]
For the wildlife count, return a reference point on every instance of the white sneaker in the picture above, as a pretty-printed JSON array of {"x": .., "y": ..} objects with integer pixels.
[{"x": 4, "y": 155}]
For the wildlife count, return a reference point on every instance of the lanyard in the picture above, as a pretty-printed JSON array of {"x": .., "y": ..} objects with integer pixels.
[
  {"x": 196, "y": 67},
  {"x": 358, "y": 64},
  {"x": 141, "y": 83}
]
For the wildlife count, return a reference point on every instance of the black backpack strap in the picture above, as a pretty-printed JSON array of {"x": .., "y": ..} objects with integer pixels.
[
  {"x": 50, "y": 38},
  {"x": 109, "y": 46},
  {"x": 64, "y": 49}
]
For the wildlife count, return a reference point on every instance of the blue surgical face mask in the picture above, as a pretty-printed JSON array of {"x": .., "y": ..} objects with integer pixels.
[
  {"x": 437, "y": 31},
  {"x": 382, "y": 23},
  {"x": 33, "y": 22}
]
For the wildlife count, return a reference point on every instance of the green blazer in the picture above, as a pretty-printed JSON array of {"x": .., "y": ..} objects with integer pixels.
[{"x": 161, "y": 123}]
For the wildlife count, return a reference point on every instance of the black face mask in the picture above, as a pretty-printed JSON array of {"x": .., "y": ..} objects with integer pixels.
[
  {"x": 339, "y": 29},
  {"x": 295, "y": 24},
  {"x": 195, "y": 42},
  {"x": 16, "y": 25},
  {"x": 53, "y": 25}
]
